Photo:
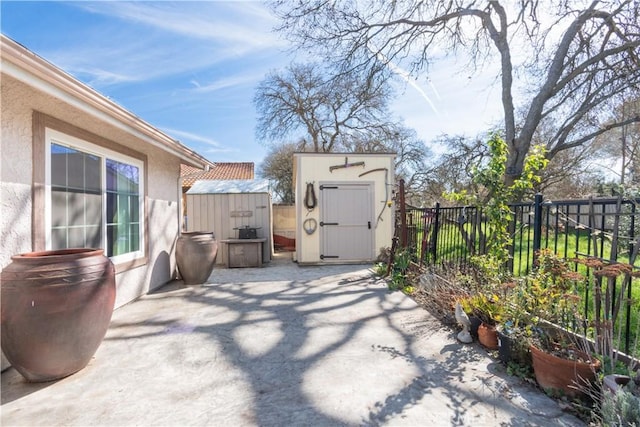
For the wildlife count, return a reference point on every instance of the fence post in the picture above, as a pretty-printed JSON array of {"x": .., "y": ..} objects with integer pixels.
[
  {"x": 511, "y": 229},
  {"x": 434, "y": 234},
  {"x": 403, "y": 217},
  {"x": 537, "y": 225}
]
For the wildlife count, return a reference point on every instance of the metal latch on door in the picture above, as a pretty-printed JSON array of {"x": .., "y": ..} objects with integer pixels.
[{"x": 322, "y": 223}]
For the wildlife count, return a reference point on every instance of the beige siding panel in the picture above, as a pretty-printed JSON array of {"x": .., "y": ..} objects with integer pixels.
[{"x": 222, "y": 214}]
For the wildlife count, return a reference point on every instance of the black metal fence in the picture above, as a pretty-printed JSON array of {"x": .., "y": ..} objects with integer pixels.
[{"x": 604, "y": 228}]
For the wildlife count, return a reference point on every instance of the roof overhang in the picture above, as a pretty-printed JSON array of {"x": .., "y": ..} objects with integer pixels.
[{"x": 27, "y": 67}]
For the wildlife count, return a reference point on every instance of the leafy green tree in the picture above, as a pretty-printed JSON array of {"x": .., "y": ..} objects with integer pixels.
[{"x": 495, "y": 195}]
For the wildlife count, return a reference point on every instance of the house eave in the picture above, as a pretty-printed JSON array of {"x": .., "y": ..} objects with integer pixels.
[{"x": 27, "y": 67}]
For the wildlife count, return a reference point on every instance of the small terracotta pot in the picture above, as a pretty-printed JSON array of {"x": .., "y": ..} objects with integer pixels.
[{"x": 488, "y": 336}]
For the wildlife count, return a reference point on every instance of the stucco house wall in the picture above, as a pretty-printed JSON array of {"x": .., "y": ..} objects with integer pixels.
[
  {"x": 35, "y": 96},
  {"x": 20, "y": 103}
]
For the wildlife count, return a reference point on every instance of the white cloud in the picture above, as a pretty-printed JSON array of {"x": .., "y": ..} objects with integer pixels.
[
  {"x": 227, "y": 82},
  {"x": 153, "y": 40},
  {"x": 179, "y": 134},
  {"x": 246, "y": 26}
]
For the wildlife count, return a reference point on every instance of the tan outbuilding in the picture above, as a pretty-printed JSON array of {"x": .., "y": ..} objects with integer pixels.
[{"x": 343, "y": 206}]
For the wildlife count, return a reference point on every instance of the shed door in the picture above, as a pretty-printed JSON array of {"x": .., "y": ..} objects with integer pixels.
[{"x": 346, "y": 222}]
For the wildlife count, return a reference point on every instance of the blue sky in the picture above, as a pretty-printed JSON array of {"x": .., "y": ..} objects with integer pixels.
[{"x": 191, "y": 69}]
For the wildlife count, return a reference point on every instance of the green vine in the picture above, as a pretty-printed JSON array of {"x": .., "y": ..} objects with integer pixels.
[{"x": 490, "y": 177}]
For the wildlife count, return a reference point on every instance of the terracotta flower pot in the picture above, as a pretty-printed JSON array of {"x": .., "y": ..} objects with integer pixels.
[
  {"x": 488, "y": 336},
  {"x": 56, "y": 309},
  {"x": 557, "y": 373}
]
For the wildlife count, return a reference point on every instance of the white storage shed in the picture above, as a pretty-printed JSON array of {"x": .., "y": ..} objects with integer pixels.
[
  {"x": 344, "y": 210},
  {"x": 234, "y": 210}
]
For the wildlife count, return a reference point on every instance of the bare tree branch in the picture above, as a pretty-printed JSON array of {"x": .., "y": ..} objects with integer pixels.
[{"x": 582, "y": 56}]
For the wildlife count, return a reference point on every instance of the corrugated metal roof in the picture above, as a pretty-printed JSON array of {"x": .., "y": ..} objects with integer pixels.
[{"x": 229, "y": 186}]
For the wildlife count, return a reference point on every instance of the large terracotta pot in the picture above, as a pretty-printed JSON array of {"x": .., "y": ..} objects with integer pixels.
[
  {"x": 56, "y": 309},
  {"x": 557, "y": 373},
  {"x": 196, "y": 255},
  {"x": 488, "y": 336}
]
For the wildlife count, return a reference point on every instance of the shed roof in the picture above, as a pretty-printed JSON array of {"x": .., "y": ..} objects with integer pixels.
[
  {"x": 232, "y": 186},
  {"x": 219, "y": 171}
]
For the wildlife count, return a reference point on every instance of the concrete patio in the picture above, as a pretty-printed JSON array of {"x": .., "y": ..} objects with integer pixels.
[{"x": 282, "y": 345}]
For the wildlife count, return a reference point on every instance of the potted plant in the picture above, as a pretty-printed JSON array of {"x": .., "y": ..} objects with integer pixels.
[
  {"x": 515, "y": 329},
  {"x": 620, "y": 404},
  {"x": 559, "y": 364},
  {"x": 488, "y": 308}
]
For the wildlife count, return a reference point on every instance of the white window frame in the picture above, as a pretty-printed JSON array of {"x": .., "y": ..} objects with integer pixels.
[{"x": 60, "y": 138}]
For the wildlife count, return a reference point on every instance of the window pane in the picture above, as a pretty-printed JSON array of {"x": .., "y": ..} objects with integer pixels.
[
  {"x": 118, "y": 239},
  {"x": 111, "y": 207},
  {"x": 123, "y": 178},
  {"x": 123, "y": 230},
  {"x": 75, "y": 174},
  {"x": 58, "y": 208},
  {"x": 135, "y": 180},
  {"x": 134, "y": 203},
  {"x": 93, "y": 237},
  {"x": 76, "y": 200},
  {"x": 75, "y": 206},
  {"x": 93, "y": 173},
  {"x": 110, "y": 240},
  {"x": 123, "y": 209},
  {"x": 93, "y": 206},
  {"x": 135, "y": 237},
  {"x": 59, "y": 238},
  {"x": 76, "y": 237},
  {"x": 59, "y": 165},
  {"x": 112, "y": 176}
]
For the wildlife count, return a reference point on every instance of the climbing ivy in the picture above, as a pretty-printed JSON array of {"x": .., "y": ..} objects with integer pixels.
[{"x": 490, "y": 177}]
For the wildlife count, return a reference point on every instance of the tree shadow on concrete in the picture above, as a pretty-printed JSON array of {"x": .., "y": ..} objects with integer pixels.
[{"x": 321, "y": 346}]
